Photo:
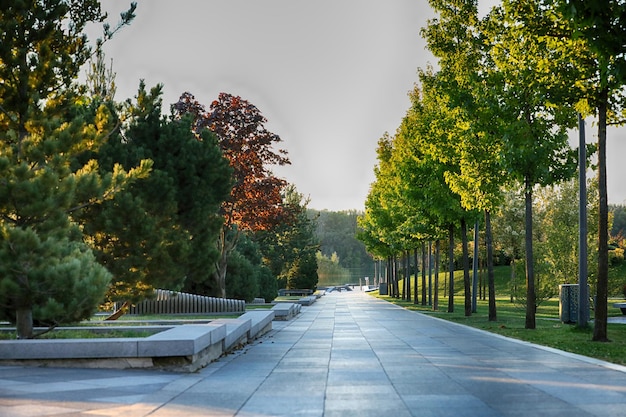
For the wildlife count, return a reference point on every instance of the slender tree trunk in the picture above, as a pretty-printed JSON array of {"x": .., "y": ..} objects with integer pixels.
[
  {"x": 388, "y": 277},
  {"x": 415, "y": 278},
  {"x": 475, "y": 277},
  {"x": 407, "y": 276},
  {"x": 490, "y": 275},
  {"x": 423, "y": 273},
  {"x": 225, "y": 246},
  {"x": 436, "y": 289},
  {"x": 513, "y": 280},
  {"x": 451, "y": 269},
  {"x": 467, "y": 283},
  {"x": 396, "y": 273},
  {"x": 430, "y": 273},
  {"x": 24, "y": 322},
  {"x": 530, "y": 270},
  {"x": 600, "y": 322}
]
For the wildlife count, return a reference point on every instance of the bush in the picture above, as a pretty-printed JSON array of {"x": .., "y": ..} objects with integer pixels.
[{"x": 241, "y": 279}]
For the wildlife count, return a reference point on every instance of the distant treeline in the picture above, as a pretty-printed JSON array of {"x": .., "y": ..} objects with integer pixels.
[
  {"x": 336, "y": 232},
  {"x": 618, "y": 211}
]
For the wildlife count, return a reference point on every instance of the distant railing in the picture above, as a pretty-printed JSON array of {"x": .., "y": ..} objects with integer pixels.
[{"x": 172, "y": 302}]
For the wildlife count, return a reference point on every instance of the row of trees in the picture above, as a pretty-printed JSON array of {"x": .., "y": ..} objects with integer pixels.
[
  {"x": 99, "y": 196},
  {"x": 494, "y": 116}
]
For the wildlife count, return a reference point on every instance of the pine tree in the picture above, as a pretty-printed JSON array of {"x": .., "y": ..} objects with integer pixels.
[{"x": 48, "y": 274}]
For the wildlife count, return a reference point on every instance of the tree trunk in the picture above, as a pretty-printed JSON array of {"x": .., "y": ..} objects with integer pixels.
[
  {"x": 407, "y": 275},
  {"x": 530, "y": 270},
  {"x": 415, "y": 280},
  {"x": 225, "y": 246},
  {"x": 24, "y": 322},
  {"x": 475, "y": 277},
  {"x": 467, "y": 283},
  {"x": 436, "y": 288},
  {"x": 513, "y": 280},
  {"x": 396, "y": 286},
  {"x": 490, "y": 275},
  {"x": 423, "y": 273},
  {"x": 600, "y": 322},
  {"x": 388, "y": 277},
  {"x": 451, "y": 269},
  {"x": 430, "y": 273}
]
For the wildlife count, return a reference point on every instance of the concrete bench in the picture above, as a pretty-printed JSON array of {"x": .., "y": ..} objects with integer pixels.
[
  {"x": 286, "y": 311},
  {"x": 285, "y": 292},
  {"x": 187, "y": 347},
  {"x": 260, "y": 322},
  {"x": 236, "y": 332},
  {"x": 181, "y": 348},
  {"x": 621, "y": 306},
  {"x": 307, "y": 301}
]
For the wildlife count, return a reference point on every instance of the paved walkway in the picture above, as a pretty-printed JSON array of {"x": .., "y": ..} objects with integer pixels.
[{"x": 349, "y": 354}]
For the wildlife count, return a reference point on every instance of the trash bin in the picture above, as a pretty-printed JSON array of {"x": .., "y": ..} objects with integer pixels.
[
  {"x": 382, "y": 288},
  {"x": 568, "y": 303}
]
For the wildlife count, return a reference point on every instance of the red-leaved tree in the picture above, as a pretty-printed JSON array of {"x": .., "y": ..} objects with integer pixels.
[{"x": 255, "y": 202}]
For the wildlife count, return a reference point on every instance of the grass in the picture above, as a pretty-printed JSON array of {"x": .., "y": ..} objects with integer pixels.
[
  {"x": 511, "y": 319},
  {"x": 7, "y": 331},
  {"x": 84, "y": 334}
]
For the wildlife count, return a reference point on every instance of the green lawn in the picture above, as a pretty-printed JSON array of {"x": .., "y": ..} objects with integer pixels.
[{"x": 511, "y": 322}]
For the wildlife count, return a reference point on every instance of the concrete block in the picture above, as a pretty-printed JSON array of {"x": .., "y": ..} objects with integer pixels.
[
  {"x": 260, "y": 322},
  {"x": 183, "y": 340},
  {"x": 236, "y": 331},
  {"x": 69, "y": 348},
  {"x": 307, "y": 301},
  {"x": 286, "y": 311}
]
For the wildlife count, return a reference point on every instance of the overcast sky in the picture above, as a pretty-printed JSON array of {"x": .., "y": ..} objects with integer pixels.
[{"x": 330, "y": 76}]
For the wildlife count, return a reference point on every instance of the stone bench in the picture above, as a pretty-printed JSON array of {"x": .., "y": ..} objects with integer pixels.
[
  {"x": 621, "y": 306},
  {"x": 286, "y": 311},
  {"x": 236, "y": 332},
  {"x": 307, "y": 301},
  {"x": 260, "y": 322},
  {"x": 187, "y": 347},
  {"x": 287, "y": 292},
  {"x": 181, "y": 348}
]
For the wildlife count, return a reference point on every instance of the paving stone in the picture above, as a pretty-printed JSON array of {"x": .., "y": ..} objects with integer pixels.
[{"x": 348, "y": 354}]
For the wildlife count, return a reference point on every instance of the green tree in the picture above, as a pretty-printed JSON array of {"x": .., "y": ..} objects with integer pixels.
[
  {"x": 160, "y": 232},
  {"x": 337, "y": 233},
  {"x": 245, "y": 268},
  {"x": 618, "y": 227},
  {"x": 600, "y": 27},
  {"x": 508, "y": 229},
  {"x": 49, "y": 275},
  {"x": 289, "y": 249},
  {"x": 536, "y": 150},
  {"x": 456, "y": 39},
  {"x": 329, "y": 270}
]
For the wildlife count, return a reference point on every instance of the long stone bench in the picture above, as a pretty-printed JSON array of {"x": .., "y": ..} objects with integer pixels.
[
  {"x": 260, "y": 322},
  {"x": 286, "y": 311},
  {"x": 236, "y": 332},
  {"x": 307, "y": 301},
  {"x": 186, "y": 347}
]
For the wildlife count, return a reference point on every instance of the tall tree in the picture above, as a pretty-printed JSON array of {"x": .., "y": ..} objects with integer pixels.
[
  {"x": 455, "y": 38},
  {"x": 255, "y": 202},
  {"x": 290, "y": 249},
  {"x": 536, "y": 146},
  {"x": 44, "y": 123},
  {"x": 161, "y": 232},
  {"x": 601, "y": 27}
]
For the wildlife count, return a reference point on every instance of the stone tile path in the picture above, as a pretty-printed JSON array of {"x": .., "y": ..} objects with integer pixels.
[{"x": 348, "y": 354}]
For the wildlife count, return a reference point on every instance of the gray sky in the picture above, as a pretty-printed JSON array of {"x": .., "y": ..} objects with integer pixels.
[{"x": 330, "y": 76}]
